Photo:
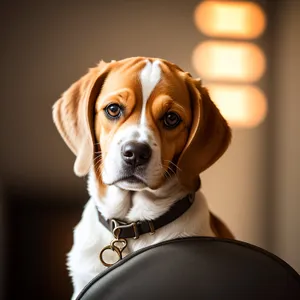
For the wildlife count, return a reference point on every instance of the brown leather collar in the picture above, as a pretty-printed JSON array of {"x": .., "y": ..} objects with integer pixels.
[{"x": 124, "y": 230}]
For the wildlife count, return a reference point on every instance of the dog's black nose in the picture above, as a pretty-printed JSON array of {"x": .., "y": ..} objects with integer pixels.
[{"x": 136, "y": 154}]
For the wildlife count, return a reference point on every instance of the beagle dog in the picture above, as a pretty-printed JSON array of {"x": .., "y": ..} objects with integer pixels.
[{"x": 142, "y": 130}]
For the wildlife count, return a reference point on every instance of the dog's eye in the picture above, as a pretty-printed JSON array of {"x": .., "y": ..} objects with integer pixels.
[
  {"x": 113, "y": 111},
  {"x": 171, "y": 120}
]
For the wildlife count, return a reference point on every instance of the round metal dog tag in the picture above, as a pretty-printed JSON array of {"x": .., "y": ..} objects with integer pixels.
[
  {"x": 113, "y": 249},
  {"x": 117, "y": 246}
]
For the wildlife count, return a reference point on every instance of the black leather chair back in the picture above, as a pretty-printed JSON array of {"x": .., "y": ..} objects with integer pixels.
[{"x": 196, "y": 268}]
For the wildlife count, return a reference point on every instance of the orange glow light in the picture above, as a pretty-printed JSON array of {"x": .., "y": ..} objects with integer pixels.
[
  {"x": 234, "y": 19},
  {"x": 241, "y": 106},
  {"x": 229, "y": 61}
]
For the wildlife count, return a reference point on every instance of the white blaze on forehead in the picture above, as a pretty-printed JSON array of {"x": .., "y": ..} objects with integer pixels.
[{"x": 149, "y": 77}]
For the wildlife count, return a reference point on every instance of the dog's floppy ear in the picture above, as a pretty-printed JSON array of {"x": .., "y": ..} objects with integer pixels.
[
  {"x": 73, "y": 116},
  {"x": 209, "y": 136}
]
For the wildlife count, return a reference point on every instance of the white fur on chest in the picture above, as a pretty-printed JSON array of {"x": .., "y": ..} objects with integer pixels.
[{"x": 90, "y": 236}]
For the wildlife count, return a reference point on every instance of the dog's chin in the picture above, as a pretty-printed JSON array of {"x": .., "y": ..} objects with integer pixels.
[
  {"x": 131, "y": 183},
  {"x": 134, "y": 183},
  {"x": 129, "y": 186}
]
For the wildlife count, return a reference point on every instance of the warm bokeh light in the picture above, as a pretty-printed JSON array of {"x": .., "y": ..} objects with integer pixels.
[
  {"x": 229, "y": 61},
  {"x": 234, "y": 19},
  {"x": 241, "y": 105}
]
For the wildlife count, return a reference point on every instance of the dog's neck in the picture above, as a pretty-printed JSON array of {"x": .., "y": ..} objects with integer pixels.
[{"x": 135, "y": 205}]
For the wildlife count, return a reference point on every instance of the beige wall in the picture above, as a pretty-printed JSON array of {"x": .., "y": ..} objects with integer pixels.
[
  {"x": 235, "y": 187},
  {"x": 287, "y": 127}
]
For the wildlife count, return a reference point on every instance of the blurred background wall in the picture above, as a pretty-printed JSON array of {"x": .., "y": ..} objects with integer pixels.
[
  {"x": 45, "y": 46},
  {"x": 286, "y": 131}
]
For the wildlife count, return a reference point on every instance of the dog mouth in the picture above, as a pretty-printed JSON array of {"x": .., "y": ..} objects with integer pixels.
[{"x": 132, "y": 180}]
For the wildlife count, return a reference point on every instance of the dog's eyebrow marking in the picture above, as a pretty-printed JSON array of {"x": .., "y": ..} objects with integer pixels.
[{"x": 149, "y": 77}]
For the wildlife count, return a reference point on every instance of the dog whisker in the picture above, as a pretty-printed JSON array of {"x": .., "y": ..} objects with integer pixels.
[
  {"x": 98, "y": 155},
  {"x": 97, "y": 162},
  {"x": 98, "y": 169},
  {"x": 97, "y": 159},
  {"x": 167, "y": 174},
  {"x": 172, "y": 171},
  {"x": 173, "y": 164}
]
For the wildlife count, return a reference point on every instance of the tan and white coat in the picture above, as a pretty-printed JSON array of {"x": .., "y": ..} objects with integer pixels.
[{"x": 146, "y": 89}]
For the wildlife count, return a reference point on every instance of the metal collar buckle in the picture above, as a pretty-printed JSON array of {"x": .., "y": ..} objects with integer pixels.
[{"x": 117, "y": 228}]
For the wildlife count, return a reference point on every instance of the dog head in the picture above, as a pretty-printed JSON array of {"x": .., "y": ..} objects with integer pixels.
[{"x": 139, "y": 122}]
